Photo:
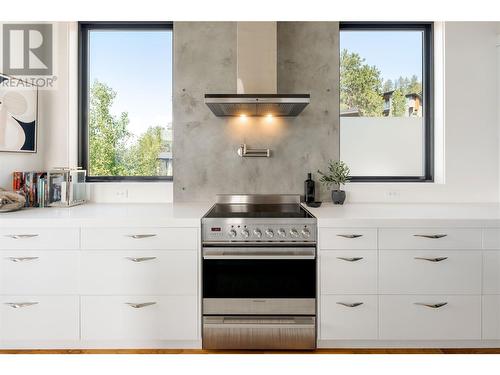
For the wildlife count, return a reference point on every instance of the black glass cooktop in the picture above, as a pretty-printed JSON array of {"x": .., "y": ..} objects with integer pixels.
[{"x": 258, "y": 211}]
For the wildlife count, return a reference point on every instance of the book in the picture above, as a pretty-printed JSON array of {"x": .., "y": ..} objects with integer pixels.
[{"x": 33, "y": 185}]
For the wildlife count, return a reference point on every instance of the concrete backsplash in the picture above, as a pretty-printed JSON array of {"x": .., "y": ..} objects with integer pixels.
[{"x": 205, "y": 158}]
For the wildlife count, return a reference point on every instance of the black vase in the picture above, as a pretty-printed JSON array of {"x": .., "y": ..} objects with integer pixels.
[{"x": 338, "y": 196}]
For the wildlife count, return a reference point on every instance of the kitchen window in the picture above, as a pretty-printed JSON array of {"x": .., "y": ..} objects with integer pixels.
[
  {"x": 125, "y": 103},
  {"x": 386, "y": 101}
]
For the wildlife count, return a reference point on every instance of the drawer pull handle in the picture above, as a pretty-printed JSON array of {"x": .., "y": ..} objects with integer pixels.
[
  {"x": 432, "y": 305},
  {"x": 432, "y": 236},
  {"x": 18, "y": 305},
  {"x": 21, "y": 236},
  {"x": 354, "y": 259},
  {"x": 438, "y": 259},
  {"x": 139, "y": 305},
  {"x": 21, "y": 259},
  {"x": 354, "y": 304},
  {"x": 350, "y": 235},
  {"x": 138, "y": 260},
  {"x": 141, "y": 236}
]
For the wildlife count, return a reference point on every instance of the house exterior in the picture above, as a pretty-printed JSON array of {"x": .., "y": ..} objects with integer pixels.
[{"x": 413, "y": 105}]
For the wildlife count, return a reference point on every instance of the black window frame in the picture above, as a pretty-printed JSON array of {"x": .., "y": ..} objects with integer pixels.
[
  {"x": 83, "y": 89},
  {"x": 427, "y": 92}
]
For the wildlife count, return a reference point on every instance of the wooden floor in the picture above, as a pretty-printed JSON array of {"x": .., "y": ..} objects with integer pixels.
[{"x": 199, "y": 351}]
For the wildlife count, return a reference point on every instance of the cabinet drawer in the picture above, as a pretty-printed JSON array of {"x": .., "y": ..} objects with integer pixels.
[
  {"x": 405, "y": 318},
  {"x": 39, "y": 238},
  {"x": 347, "y": 238},
  {"x": 139, "y": 238},
  {"x": 139, "y": 318},
  {"x": 144, "y": 272},
  {"x": 491, "y": 272},
  {"x": 348, "y": 272},
  {"x": 491, "y": 239},
  {"x": 349, "y": 317},
  {"x": 429, "y": 272},
  {"x": 35, "y": 318},
  {"x": 430, "y": 238},
  {"x": 39, "y": 272},
  {"x": 491, "y": 317}
]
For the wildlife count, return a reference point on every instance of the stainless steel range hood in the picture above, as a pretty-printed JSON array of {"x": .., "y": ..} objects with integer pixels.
[
  {"x": 257, "y": 105},
  {"x": 257, "y": 83}
]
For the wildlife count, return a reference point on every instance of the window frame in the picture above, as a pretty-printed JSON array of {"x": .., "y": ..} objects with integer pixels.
[
  {"x": 427, "y": 95},
  {"x": 84, "y": 29}
]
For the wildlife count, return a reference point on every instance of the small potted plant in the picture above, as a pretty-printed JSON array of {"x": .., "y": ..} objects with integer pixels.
[{"x": 338, "y": 174}]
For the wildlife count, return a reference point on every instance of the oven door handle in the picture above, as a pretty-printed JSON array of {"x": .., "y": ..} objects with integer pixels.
[
  {"x": 259, "y": 253},
  {"x": 255, "y": 322}
]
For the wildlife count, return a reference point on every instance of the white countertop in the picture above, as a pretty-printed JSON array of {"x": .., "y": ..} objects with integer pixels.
[
  {"x": 329, "y": 215},
  {"x": 407, "y": 215},
  {"x": 112, "y": 214}
]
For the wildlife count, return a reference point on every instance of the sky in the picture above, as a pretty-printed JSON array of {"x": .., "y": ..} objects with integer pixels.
[
  {"x": 394, "y": 53},
  {"x": 138, "y": 66}
]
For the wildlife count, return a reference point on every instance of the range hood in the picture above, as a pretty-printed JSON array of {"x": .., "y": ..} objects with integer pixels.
[{"x": 256, "y": 91}]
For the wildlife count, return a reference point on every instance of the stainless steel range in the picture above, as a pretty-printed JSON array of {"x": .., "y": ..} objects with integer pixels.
[{"x": 259, "y": 273}]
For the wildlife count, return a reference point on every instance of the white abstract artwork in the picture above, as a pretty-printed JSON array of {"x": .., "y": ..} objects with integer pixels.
[{"x": 18, "y": 115}]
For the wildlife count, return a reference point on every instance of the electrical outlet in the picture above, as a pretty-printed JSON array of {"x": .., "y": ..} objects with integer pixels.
[
  {"x": 121, "y": 194},
  {"x": 393, "y": 195}
]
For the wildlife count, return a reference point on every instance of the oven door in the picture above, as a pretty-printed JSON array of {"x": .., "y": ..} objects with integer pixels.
[{"x": 259, "y": 280}]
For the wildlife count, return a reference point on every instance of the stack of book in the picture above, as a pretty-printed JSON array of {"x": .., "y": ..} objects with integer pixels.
[{"x": 33, "y": 185}]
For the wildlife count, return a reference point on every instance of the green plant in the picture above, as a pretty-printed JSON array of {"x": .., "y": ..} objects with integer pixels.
[{"x": 338, "y": 174}]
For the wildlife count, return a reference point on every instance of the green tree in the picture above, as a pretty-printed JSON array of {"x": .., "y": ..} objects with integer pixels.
[
  {"x": 388, "y": 86},
  {"x": 112, "y": 149},
  {"x": 398, "y": 105},
  {"x": 107, "y": 134},
  {"x": 415, "y": 86},
  {"x": 142, "y": 158},
  {"x": 360, "y": 85}
]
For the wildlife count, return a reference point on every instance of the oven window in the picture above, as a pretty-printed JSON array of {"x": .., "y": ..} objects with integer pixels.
[{"x": 259, "y": 278}]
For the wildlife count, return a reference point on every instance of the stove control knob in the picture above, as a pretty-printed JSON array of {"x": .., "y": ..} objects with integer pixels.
[
  {"x": 232, "y": 233},
  {"x": 245, "y": 233},
  {"x": 306, "y": 233},
  {"x": 294, "y": 233},
  {"x": 258, "y": 233},
  {"x": 281, "y": 232},
  {"x": 269, "y": 233}
]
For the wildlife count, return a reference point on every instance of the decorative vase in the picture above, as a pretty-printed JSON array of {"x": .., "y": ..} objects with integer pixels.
[{"x": 338, "y": 196}]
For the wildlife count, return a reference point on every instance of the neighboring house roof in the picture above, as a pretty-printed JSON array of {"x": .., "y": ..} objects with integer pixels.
[
  {"x": 351, "y": 112},
  {"x": 165, "y": 156}
]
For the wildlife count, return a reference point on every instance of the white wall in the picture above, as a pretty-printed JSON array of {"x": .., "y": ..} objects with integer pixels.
[{"x": 470, "y": 148}]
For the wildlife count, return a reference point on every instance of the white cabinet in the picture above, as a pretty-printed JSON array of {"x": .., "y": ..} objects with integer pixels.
[
  {"x": 38, "y": 272},
  {"x": 140, "y": 238},
  {"x": 348, "y": 272},
  {"x": 139, "y": 272},
  {"x": 139, "y": 318},
  {"x": 99, "y": 287},
  {"x": 349, "y": 317},
  {"x": 39, "y": 318},
  {"x": 424, "y": 317},
  {"x": 491, "y": 272},
  {"x": 39, "y": 238},
  {"x": 491, "y": 317},
  {"x": 430, "y": 238},
  {"x": 430, "y": 272},
  {"x": 396, "y": 285},
  {"x": 491, "y": 239},
  {"x": 347, "y": 238}
]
